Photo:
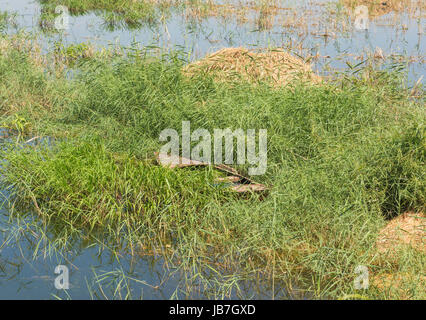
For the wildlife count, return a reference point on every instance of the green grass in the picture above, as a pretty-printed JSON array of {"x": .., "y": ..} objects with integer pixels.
[
  {"x": 342, "y": 158},
  {"x": 7, "y": 20},
  {"x": 122, "y": 13},
  {"x": 129, "y": 13}
]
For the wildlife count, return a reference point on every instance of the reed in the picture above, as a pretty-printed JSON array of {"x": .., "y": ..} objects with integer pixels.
[{"x": 343, "y": 157}]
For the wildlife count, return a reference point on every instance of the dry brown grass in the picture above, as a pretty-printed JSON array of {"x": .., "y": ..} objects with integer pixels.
[
  {"x": 402, "y": 234},
  {"x": 396, "y": 285},
  {"x": 407, "y": 229},
  {"x": 23, "y": 44},
  {"x": 378, "y": 8},
  {"x": 262, "y": 13},
  {"x": 274, "y": 66}
]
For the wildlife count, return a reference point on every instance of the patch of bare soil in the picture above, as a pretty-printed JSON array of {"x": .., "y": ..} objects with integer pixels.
[
  {"x": 274, "y": 66},
  {"x": 407, "y": 229}
]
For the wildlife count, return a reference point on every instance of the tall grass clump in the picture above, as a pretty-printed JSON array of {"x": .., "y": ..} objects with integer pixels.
[
  {"x": 341, "y": 160},
  {"x": 116, "y": 14}
]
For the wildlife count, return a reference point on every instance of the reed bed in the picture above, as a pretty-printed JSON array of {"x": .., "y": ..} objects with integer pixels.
[{"x": 344, "y": 157}]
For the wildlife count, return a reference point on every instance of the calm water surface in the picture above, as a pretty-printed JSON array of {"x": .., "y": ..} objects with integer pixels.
[{"x": 305, "y": 28}]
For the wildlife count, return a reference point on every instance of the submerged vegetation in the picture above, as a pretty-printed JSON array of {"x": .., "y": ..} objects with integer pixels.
[
  {"x": 264, "y": 14},
  {"x": 343, "y": 157},
  {"x": 130, "y": 12},
  {"x": 134, "y": 14}
]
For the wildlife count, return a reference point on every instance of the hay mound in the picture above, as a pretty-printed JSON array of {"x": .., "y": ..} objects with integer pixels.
[
  {"x": 407, "y": 229},
  {"x": 274, "y": 66}
]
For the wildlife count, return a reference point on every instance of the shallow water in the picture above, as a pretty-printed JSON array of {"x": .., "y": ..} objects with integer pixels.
[
  {"x": 27, "y": 271},
  {"x": 97, "y": 270},
  {"x": 23, "y": 276},
  {"x": 301, "y": 26}
]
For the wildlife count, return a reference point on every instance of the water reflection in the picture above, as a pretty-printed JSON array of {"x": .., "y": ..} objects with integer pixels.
[
  {"x": 320, "y": 31},
  {"x": 99, "y": 271}
]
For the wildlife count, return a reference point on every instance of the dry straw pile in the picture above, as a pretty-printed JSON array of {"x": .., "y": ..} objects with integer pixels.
[{"x": 274, "y": 66}]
